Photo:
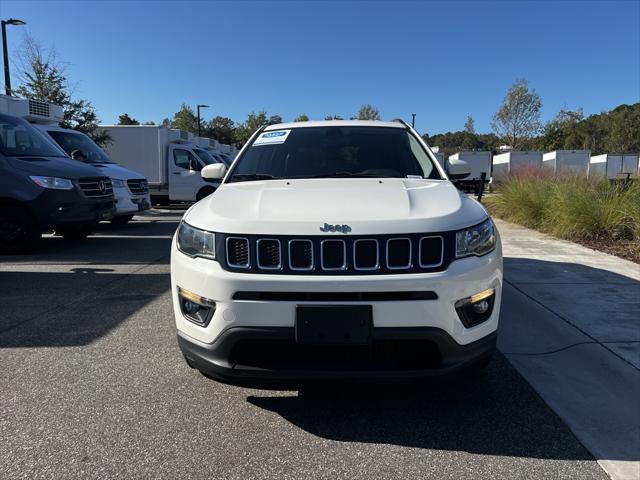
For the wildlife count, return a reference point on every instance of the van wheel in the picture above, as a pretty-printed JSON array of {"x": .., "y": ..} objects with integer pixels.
[
  {"x": 204, "y": 192},
  {"x": 19, "y": 232},
  {"x": 75, "y": 232},
  {"x": 122, "y": 219}
]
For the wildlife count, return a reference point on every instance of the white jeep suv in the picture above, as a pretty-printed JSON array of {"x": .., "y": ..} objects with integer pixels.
[{"x": 335, "y": 251}]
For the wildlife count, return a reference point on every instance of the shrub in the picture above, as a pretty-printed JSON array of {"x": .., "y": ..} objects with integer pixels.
[{"x": 569, "y": 206}]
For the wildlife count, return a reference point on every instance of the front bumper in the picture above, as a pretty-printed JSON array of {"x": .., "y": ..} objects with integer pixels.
[
  {"x": 127, "y": 203},
  {"x": 58, "y": 208},
  {"x": 433, "y": 320},
  {"x": 395, "y": 355}
]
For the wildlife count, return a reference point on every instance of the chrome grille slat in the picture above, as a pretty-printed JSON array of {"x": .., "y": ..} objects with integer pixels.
[
  {"x": 138, "y": 186},
  {"x": 326, "y": 244},
  {"x": 304, "y": 267},
  {"x": 240, "y": 254},
  {"x": 390, "y": 244},
  {"x": 420, "y": 251},
  {"x": 91, "y": 187},
  {"x": 269, "y": 254},
  {"x": 357, "y": 249}
]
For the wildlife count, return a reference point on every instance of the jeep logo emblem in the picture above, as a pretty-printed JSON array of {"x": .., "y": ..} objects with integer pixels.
[
  {"x": 102, "y": 186},
  {"x": 335, "y": 228}
]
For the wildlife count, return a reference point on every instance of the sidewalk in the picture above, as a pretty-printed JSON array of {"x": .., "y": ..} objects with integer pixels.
[{"x": 570, "y": 324}]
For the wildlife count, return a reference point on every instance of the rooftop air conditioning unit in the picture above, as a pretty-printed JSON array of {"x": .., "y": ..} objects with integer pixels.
[{"x": 35, "y": 111}]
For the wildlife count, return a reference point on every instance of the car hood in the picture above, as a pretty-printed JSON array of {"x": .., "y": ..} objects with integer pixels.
[
  {"x": 367, "y": 205},
  {"x": 54, "y": 167},
  {"x": 113, "y": 170}
]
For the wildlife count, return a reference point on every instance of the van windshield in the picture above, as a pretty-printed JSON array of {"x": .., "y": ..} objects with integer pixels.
[
  {"x": 334, "y": 151},
  {"x": 19, "y": 139},
  {"x": 70, "y": 141}
]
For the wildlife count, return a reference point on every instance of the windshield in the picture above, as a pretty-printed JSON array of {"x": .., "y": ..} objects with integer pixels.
[
  {"x": 70, "y": 141},
  {"x": 205, "y": 156},
  {"x": 335, "y": 151},
  {"x": 19, "y": 139}
]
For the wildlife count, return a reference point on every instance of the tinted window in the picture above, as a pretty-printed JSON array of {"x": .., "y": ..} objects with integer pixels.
[
  {"x": 70, "y": 141},
  {"x": 338, "y": 151},
  {"x": 19, "y": 139},
  {"x": 206, "y": 157}
]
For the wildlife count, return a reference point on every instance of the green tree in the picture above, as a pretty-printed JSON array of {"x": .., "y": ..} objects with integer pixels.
[
  {"x": 470, "y": 125},
  {"x": 43, "y": 77},
  {"x": 274, "y": 119},
  {"x": 125, "y": 119},
  {"x": 220, "y": 128},
  {"x": 368, "y": 112},
  {"x": 253, "y": 122},
  {"x": 301, "y": 118},
  {"x": 184, "y": 119},
  {"x": 518, "y": 119},
  {"x": 333, "y": 117}
]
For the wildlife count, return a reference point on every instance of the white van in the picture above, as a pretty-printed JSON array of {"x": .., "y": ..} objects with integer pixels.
[{"x": 130, "y": 188}]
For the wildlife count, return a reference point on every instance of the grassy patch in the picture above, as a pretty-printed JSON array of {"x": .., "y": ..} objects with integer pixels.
[{"x": 593, "y": 212}]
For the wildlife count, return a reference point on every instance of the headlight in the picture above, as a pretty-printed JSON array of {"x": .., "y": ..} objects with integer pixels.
[
  {"x": 52, "y": 182},
  {"x": 476, "y": 240},
  {"x": 117, "y": 183},
  {"x": 195, "y": 242}
]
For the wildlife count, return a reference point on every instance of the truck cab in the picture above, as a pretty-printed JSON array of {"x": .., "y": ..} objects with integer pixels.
[
  {"x": 171, "y": 159},
  {"x": 41, "y": 189}
]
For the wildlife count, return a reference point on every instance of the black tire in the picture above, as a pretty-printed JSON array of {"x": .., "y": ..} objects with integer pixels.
[
  {"x": 204, "y": 192},
  {"x": 122, "y": 219},
  {"x": 75, "y": 232},
  {"x": 19, "y": 232}
]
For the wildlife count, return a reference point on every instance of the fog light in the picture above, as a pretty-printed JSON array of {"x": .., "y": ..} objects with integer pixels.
[
  {"x": 477, "y": 308},
  {"x": 190, "y": 307},
  {"x": 481, "y": 307},
  {"x": 195, "y": 308}
]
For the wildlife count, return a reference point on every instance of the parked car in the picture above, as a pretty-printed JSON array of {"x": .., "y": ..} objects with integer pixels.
[
  {"x": 130, "y": 188},
  {"x": 335, "y": 250},
  {"x": 168, "y": 158},
  {"x": 480, "y": 163},
  {"x": 42, "y": 189}
]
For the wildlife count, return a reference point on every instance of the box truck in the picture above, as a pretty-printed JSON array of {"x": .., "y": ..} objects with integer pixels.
[
  {"x": 614, "y": 165},
  {"x": 41, "y": 188},
  {"x": 567, "y": 161},
  {"x": 169, "y": 158},
  {"x": 514, "y": 160},
  {"x": 479, "y": 162}
]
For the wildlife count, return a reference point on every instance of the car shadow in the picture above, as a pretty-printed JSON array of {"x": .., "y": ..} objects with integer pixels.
[
  {"x": 53, "y": 309},
  {"x": 497, "y": 413}
]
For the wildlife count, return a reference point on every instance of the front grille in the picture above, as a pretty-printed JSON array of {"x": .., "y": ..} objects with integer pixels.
[
  {"x": 138, "y": 186},
  {"x": 344, "y": 255},
  {"x": 238, "y": 252},
  {"x": 96, "y": 187}
]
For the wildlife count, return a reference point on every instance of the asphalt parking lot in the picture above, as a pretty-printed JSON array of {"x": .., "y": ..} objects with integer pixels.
[{"x": 93, "y": 386}]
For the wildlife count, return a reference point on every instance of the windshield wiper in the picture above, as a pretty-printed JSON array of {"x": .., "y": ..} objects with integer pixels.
[{"x": 247, "y": 177}]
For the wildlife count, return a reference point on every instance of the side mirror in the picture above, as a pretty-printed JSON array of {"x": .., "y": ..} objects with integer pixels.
[
  {"x": 457, "y": 169},
  {"x": 215, "y": 171}
]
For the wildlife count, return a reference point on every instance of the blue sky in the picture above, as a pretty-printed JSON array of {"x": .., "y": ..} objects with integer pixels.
[{"x": 441, "y": 60}]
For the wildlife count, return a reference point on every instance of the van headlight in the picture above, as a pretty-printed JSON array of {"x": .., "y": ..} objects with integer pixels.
[
  {"x": 54, "y": 183},
  {"x": 195, "y": 242},
  {"x": 477, "y": 240}
]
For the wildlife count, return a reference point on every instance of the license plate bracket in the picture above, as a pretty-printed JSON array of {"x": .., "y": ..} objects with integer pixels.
[{"x": 334, "y": 324}]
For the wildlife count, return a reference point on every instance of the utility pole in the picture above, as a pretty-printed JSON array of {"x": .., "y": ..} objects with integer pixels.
[
  {"x": 5, "y": 51},
  {"x": 413, "y": 120},
  {"x": 198, "y": 108}
]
